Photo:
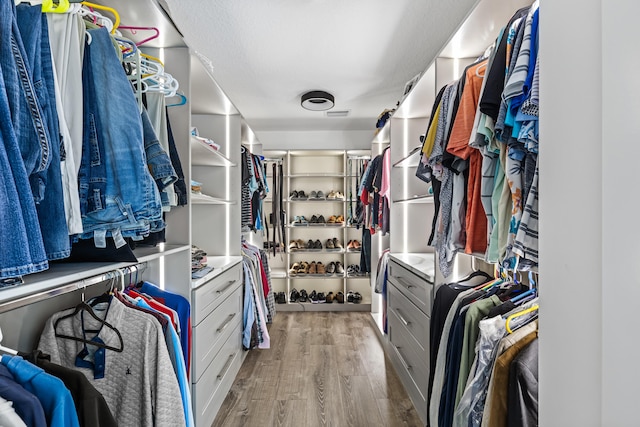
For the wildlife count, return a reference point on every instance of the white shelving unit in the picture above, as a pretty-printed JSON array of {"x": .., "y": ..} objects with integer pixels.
[{"x": 309, "y": 171}]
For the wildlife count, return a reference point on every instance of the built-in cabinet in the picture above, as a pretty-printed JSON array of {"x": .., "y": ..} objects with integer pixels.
[{"x": 311, "y": 171}]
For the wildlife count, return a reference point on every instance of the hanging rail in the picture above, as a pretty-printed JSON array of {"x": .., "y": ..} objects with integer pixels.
[{"x": 70, "y": 287}]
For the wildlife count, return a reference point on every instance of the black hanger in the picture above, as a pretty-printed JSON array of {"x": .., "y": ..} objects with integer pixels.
[
  {"x": 83, "y": 306},
  {"x": 476, "y": 274}
]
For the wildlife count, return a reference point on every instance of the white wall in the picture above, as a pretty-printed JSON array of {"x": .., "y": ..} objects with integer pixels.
[
  {"x": 590, "y": 283},
  {"x": 315, "y": 140}
]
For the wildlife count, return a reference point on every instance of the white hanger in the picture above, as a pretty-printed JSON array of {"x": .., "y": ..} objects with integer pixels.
[{"x": 5, "y": 349}]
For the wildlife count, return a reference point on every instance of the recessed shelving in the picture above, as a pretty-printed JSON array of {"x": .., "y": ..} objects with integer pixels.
[
  {"x": 411, "y": 160},
  {"x": 422, "y": 198},
  {"x": 203, "y": 199},
  {"x": 202, "y": 154}
]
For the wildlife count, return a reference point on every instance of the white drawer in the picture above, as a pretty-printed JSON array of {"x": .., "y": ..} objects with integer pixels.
[
  {"x": 209, "y": 335},
  {"x": 416, "y": 322},
  {"x": 210, "y": 391},
  {"x": 208, "y": 296},
  {"x": 414, "y": 361},
  {"x": 418, "y": 290}
]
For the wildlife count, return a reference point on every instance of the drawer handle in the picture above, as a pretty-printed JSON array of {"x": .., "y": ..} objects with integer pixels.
[
  {"x": 404, "y": 364},
  {"x": 226, "y": 367},
  {"x": 226, "y": 323},
  {"x": 406, "y": 323},
  {"x": 405, "y": 284},
  {"x": 229, "y": 283}
]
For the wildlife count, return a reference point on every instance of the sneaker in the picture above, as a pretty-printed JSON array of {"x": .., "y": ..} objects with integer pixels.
[
  {"x": 331, "y": 268},
  {"x": 330, "y": 297},
  {"x": 339, "y": 268},
  {"x": 317, "y": 244},
  {"x": 293, "y": 195},
  {"x": 281, "y": 298},
  {"x": 310, "y": 244},
  {"x": 312, "y": 195},
  {"x": 340, "y": 297},
  {"x": 313, "y": 296},
  {"x": 303, "y": 296},
  {"x": 321, "y": 298},
  {"x": 336, "y": 243},
  {"x": 350, "y": 296},
  {"x": 313, "y": 220},
  {"x": 357, "y": 298},
  {"x": 301, "y": 195},
  {"x": 320, "y": 195},
  {"x": 331, "y": 195},
  {"x": 312, "y": 268},
  {"x": 321, "y": 220},
  {"x": 294, "y": 296},
  {"x": 339, "y": 195},
  {"x": 293, "y": 245},
  {"x": 320, "y": 268},
  {"x": 350, "y": 245},
  {"x": 329, "y": 244}
]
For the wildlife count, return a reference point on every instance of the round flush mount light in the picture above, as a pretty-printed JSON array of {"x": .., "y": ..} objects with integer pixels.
[{"x": 317, "y": 100}]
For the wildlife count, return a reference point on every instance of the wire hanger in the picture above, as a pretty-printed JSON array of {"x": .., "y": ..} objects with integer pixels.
[{"x": 6, "y": 349}]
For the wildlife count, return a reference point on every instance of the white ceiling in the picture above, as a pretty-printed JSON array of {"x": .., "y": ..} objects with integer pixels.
[{"x": 266, "y": 53}]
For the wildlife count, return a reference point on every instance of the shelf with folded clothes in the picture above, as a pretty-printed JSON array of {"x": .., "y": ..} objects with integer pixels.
[{"x": 203, "y": 154}]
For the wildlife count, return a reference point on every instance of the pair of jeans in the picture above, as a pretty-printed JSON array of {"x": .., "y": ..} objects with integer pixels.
[
  {"x": 157, "y": 158},
  {"x": 21, "y": 247},
  {"x": 47, "y": 184},
  {"x": 118, "y": 196}
]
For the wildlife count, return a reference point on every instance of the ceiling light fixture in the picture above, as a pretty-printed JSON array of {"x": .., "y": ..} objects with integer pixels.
[{"x": 317, "y": 100}]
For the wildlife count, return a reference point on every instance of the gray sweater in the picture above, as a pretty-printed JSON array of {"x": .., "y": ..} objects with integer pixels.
[{"x": 139, "y": 383}]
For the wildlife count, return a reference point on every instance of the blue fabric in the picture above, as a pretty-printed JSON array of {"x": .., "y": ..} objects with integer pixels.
[
  {"x": 26, "y": 405},
  {"x": 452, "y": 371},
  {"x": 157, "y": 159},
  {"x": 55, "y": 398},
  {"x": 248, "y": 313},
  {"x": 534, "y": 54},
  {"x": 51, "y": 212},
  {"x": 23, "y": 250},
  {"x": 179, "y": 366},
  {"x": 175, "y": 302},
  {"x": 118, "y": 196}
]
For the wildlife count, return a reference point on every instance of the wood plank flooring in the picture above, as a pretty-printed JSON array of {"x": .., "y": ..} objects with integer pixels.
[{"x": 323, "y": 369}]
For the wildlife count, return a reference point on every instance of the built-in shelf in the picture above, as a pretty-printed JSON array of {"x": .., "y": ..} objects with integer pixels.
[
  {"x": 411, "y": 160},
  {"x": 202, "y": 154},
  {"x": 335, "y": 306},
  {"x": 317, "y": 251},
  {"x": 315, "y": 199},
  {"x": 316, "y": 276},
  {"x": 423, "y": 198},
  {"x": 220, "y": 264},
  {"x": 203, "y": 199},
  {"x": 316, "y": 226},
  {"x": 278, "y": 274},
  {"x": 62, "y": 274},
  {"x": 316, "y": 175}
]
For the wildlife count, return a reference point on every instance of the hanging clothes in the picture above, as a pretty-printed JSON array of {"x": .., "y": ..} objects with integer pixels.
[{"x": 26, "y": 404}]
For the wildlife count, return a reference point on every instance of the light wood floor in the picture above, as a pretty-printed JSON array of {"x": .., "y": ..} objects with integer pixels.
[{"x": 323, "y": 369}]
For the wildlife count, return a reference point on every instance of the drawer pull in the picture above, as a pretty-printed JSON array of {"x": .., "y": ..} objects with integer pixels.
[
  {"x": 229, "y": 284},
  {"x": 404, "y": 364},
  {"x": 226, "y": 323},
  {"x": 402, "y": 319},
  {"x": 226, "y": 367},
  {"x": 405, "y": 284}
]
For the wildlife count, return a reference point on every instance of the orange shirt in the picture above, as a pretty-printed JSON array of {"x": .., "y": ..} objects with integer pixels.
[{"x": 476, "y": 219}]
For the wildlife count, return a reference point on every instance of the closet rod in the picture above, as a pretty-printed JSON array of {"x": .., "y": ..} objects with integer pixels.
[
  {"x": 270, "y": 160},
  {"x": 70, "y": 287}
]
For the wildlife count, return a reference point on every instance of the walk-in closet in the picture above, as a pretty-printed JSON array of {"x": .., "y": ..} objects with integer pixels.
[{"x": 319, "y": 213}]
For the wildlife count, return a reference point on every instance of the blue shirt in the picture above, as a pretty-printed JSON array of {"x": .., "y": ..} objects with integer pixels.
[
  {"x": 248, "y": 313},
  {"x": 26, "y": 405},
  {"x": 181, "y": 370},
  {"x": 55, "y": 398},
  {"x": 175, "y": 302}
]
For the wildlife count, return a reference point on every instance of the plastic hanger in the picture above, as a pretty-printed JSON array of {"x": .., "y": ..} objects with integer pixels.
[
  {"x": 183, "y": 100},
  {"x": 6, "y": 349},
  {"x": 107, "y": 9},
  {"x": 519, "y": 314},
  {"x": 134, "y": 30}
]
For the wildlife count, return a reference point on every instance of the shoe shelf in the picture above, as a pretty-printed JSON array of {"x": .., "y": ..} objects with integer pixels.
[{"x": 309, "y": 172}]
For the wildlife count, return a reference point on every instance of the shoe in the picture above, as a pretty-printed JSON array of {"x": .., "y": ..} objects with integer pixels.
[
  {"x": 350, "y": 245},
  {"x": 304, "y": 268},
  {"x": 321, "y": 220},
  {"x": 296, "y": 220},
  {"x": 310, "y": 244},
  {"x": 293, "y": 195},
  {"x": 329, "y": 298},
  {"x": 303, "y": 296},
  {"x": 320, "y": 268},
  {"x": 356, "y": 245},
  {"x": 281, "y": 298},
  {"x": 301, "y": 244},
  {"x": 331, "y": 268},
  {"x": 293, "y": 270},
  {"x": 301, "y": 195},
  {"x": 331, "y": 220},
  {"x": 322, "y": 298},
  {"x": 317, "y": 244},
  {"x": 357, "y": 298},
  {"x": 336, "y": 243},
  {"x": 312, "y": 268},
  {"x": 331, "y": 195},
  {"x": 293, "y": 245},
  {"x": 340, "y": 297},
  {"x": 350, "y": 296},
  {"x": 329, "y": 244},
  {"x": 312, "y": 195},
  {"x": 313, "y": 296},
  {"x": 320, "y": 195},
  {"x": 293, "y": 297},
  {"x": 340, "y": 219},
  {"x": 339, "y": 268},
  {"x": 303, "y": 220},
  {"x": 353, "y": 270},
  {"x": 339, "y": 195},
  {"x": 313, "y": 220}
]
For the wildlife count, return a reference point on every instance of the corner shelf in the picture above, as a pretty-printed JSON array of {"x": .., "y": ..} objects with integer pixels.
[{"x": 202, "y": 154}]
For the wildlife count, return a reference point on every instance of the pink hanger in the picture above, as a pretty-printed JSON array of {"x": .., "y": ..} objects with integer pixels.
[{"x": 134, "y": 29}]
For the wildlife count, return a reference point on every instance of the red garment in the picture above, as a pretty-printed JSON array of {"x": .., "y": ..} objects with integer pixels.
[
  {"x": 157, "y": 306},
  {"x": 265, "y": 281}
]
